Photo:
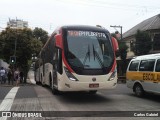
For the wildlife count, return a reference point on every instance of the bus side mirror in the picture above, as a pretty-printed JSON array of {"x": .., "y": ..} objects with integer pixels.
[
  {"x": 115, "y": 44},
  {"x": 58, "y": 41}
]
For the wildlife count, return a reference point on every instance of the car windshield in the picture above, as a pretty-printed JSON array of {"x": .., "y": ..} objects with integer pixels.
[{"x": 89, "y": 50}]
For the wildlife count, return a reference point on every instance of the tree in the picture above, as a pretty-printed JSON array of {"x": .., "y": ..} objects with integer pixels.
[
  {"x": 123, "y": 50},
  {"x": 40, "y": 34},
  {"x": 20, "y": 43},
  {"x": 143, "y": 43}
]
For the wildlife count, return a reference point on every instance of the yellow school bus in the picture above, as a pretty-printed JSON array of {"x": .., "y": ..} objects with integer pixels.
[{"x": 143, "y": 74}]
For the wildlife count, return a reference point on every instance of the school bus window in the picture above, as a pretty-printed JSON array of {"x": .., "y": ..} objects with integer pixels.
[
  {"x": 158, "y": 66},
  {"x": 134, "y": 66},
  {"x": 147, "y": 65}
]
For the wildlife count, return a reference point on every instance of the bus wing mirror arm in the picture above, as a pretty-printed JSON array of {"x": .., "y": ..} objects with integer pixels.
[{"x": 115, "y": 45}]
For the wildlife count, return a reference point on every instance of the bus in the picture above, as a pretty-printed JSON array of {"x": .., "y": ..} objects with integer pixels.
[
  {"x": 143, "y": 74},
  {"x": 78, "y": 58}
]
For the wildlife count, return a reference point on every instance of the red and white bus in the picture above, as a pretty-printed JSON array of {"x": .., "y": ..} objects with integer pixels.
[{"x": 78, "y": 58}]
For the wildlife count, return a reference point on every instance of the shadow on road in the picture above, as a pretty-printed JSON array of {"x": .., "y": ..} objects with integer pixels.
[
  {"x": 82, "y": 97},
  {"x": 148, "y": 96}
]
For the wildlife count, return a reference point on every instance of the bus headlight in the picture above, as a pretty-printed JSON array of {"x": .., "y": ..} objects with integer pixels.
[
  {"x": 113, "y": 75},
  {"x": 70, "y": 75}
]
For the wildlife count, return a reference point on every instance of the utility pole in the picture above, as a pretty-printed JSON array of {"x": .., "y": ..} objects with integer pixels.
[
  {"x": 115, "y": 26},
  {"x": 17, "y": 35},
  {"x": 13, "y": 58},
  {"x": 15, "y": 47}
]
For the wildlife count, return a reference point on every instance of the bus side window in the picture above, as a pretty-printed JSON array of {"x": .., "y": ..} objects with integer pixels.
[
  {"x": 134, "y": 66},
  {"x": 158, "y": 66}
]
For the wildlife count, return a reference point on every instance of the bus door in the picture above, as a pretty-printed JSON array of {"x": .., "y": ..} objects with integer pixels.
[{"x": 57, "y": 65}]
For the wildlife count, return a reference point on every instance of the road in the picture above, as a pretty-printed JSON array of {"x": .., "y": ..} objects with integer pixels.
[{"x": 32, "y": 97}]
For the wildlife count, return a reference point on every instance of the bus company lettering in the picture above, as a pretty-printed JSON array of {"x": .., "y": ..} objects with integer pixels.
[
  {"x": 151, "y": 77},
  {"x": 86, "y": 33}
]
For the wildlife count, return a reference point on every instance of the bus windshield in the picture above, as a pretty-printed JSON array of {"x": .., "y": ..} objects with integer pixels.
[{"x": 89, "y": 50}]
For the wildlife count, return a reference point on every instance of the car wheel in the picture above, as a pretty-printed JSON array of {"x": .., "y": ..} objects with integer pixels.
[{"x": 138, "y": 90}]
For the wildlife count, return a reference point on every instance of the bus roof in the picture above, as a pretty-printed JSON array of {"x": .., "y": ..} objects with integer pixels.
[
  {"x": 84, "y": 27},
  {"x": 150, "y": 56}
]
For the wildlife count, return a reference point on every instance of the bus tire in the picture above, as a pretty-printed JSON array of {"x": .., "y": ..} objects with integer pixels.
[
  {"x": 43, "y": 85},
  {"x": 55, "y": 91},
  {"x": 138, "y": 89},
  {"x": 50, "y": 80},
  {"x": 92, "y": 91},
  {"x": 37, "y": 83}
]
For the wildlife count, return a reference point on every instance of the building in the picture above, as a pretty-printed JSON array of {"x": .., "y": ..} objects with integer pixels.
[
  {"x": 17, "y": 23},
  {"x": 152, "y": 26}
]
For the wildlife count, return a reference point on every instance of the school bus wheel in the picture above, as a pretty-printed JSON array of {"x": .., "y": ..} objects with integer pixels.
[
  {"x": 138, "y": 89},
  {"x": 92, "y": 91}
]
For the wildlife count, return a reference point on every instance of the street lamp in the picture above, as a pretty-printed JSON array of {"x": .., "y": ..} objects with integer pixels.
[{"x": 118, "y": 27}]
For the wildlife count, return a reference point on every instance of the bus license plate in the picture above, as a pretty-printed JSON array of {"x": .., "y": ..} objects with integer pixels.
[{"x": 93, "y": 85}]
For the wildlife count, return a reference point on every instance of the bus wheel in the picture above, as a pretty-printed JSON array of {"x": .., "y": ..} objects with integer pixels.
[
  {"x": 92, "y": 91},
  {"x": 37, "y": 83},
  {"x": 42, "y": 81},
  {"x": 138, "y": 90},
  {"x": 50, "y": 80},
  {"x": 55, "y": 91},
  {"x": 43, "y": 85}
]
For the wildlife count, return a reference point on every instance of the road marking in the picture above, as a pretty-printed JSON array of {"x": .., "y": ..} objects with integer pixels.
[{"x": 8, "y": 101}]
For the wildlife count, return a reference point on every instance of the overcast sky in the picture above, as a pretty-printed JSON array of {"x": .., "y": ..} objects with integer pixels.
[{"x": 48, "y": 14}]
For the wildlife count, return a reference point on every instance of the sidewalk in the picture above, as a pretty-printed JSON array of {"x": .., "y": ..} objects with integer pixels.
[{"x": 30, "y": 80}]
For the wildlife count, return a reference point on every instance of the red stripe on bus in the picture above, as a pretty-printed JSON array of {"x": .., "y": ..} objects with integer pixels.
[
  {"x": 66, "y": 63},
  {"x": 63, "y": 56},
  {"x": 114, "y": 65}
]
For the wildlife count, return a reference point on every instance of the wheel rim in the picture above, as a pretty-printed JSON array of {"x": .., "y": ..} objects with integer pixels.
[{"x": 138, "y": 90}]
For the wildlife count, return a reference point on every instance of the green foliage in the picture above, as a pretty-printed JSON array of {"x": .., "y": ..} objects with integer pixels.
[
  {"x": 123, "y": 50},
  {"x": 40, "y": 34},
  {"x": 25, "y": 43},
  {"x": 143, "y": 43}
]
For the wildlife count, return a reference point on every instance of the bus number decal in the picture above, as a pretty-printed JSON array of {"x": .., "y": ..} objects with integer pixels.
[{"x": 86, "y": 33}]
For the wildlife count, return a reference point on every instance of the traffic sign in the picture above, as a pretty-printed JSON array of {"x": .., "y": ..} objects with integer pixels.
[{"x": 12, "y": 59}]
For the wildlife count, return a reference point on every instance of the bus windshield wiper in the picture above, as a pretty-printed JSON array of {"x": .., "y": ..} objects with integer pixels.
[
  {"x": 87, "y": 56},
  {"x": 96, "y": 55}
]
